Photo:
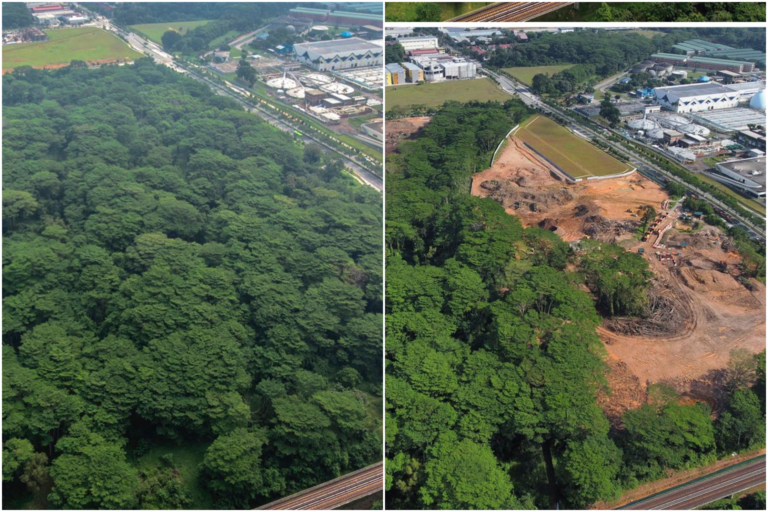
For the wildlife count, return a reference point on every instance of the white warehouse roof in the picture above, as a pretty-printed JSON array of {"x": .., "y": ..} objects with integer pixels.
[{"x": 337, "y": 48}]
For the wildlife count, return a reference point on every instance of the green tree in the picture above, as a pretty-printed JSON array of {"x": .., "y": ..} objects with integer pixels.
[
  {"x": 234, "y": 470},
  {"x": 92, "y": 472}
]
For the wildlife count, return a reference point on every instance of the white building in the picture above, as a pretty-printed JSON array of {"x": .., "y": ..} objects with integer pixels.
[
  {"x": 696, "y": 97},
  {"x": 339, "y": 54},
  {"x": 418, "y": 43},
  {"x": 454, "y": 68}
]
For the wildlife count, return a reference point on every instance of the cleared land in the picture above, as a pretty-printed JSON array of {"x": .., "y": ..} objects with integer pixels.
[
  {"x": 570, "y": 152},
  {"x": 435, "y": 94},
  {"x": 155, "y": 31},
  {"x": 526, "y": 74},
  {"x": 88, "y": 44},
  {"x": 700, "y": 309}
]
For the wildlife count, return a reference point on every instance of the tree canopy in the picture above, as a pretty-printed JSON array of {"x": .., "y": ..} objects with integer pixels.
[{"x": 177, "y": 271}]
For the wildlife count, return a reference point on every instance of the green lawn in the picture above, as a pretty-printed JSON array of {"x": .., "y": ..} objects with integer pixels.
[
  {"x": 406, "y": 11},
  {"x": 646, "y": 33},
  {"x": 574, "y": 154},
  {"x": 67, "y": 44},
  {"x": 155, "y": 31},
  {"x": 526, "y": 74},
  {"x": 435, "y": 94},
  {"x": 187, "y": 459}
]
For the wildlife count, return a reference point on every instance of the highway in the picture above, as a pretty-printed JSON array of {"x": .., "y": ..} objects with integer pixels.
[
  {"x": 239, "y": 94},
  {"x": 511, "y": 11},
  {"x": 701, "y": 491},
  {"x": 335, "y": 493},
  {"x": 640, "y": 161}
]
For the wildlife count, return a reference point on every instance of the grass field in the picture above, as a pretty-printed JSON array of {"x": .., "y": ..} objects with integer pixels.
[
  {"x": 65, "y": 45},
  {"x": 434, "y": 95},
  {"x": 646, "y": 33},
  {"x": 571, "y": 153},
  {"x": 155, "y": 31},
  {"x": 526, "y": 74}
]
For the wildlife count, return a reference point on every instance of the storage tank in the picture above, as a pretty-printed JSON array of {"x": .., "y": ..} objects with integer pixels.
[
  {"x": 642, "y": 124},
  {"x": 758, "y": 101}
]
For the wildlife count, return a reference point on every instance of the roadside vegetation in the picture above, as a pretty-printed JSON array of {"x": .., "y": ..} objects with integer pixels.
[
  {"x": 493, "y": 362},
  {"x": 192, "y": 300}
]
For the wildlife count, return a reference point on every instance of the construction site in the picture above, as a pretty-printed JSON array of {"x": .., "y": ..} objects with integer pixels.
[{"x": 700, "y": 307}]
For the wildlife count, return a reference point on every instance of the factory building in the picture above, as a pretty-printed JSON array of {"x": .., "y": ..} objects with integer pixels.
[
  {"x": 395, "y": 74},
  {"x": 413, "y": 73},
  {"x": 338, "y": 54},
  {"x": 418, "y": 43},
  {"x": 696, "y": 97},
  {"x": 448, "y": 68},
  {"x": 720, "y": 64},
  {"x": 669, "y": 58}
]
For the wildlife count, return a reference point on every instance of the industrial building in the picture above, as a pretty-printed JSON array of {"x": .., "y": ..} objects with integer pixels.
[
  {"x": 747, "y": 176},
  {"x": 703, "y": 63},
  {"x": 395, "y": 74},
  {"x": 445, "y": 68},
  {"x": 413, "y": 73},
  {"x": 337, "y": 54},
  {"x": 696, "y": 97},
  {"x": 751, "y": 139},
  {"x": 418, "y": 43}
]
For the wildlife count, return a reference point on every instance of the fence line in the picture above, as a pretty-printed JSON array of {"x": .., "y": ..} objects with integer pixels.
[{"x": 493, "y": 159}]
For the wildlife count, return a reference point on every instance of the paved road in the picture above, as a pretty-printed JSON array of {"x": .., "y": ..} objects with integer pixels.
[
  {"x": 699, "y": 493},
  {"x": 511, "y": 11},
  {"x": 334, "y": 494}
]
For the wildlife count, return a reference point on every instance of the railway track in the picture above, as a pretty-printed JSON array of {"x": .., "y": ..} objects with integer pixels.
[
  {"x": 511, "y": 11},
  {"x": 335, "y": 493}
]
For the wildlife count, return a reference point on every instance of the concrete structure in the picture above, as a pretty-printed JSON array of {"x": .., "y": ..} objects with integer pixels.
[
  {"x": 339, "y": 54},
  {"x": 746, "y": 176},
  {"x": 413, "y": 73},
  {"x": 395, "y": 74},
  {"x": 374, "y": 130},
  {"x": 696, "y": 97},
  {"x": 418, "y": 43}
]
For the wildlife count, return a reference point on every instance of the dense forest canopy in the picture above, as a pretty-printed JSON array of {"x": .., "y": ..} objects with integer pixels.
[
  {"x": 493, "y": 362},
  {"x": 603, "y": 53},
  {"x": 179, "y": 272},
  {"x": 16, "y": 15},
  {"x": 678, "y": 11},
  {"x": 133, "y": 13}
]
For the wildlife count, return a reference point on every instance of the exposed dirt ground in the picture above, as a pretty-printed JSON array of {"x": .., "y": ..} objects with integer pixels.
[
  {"x": 399, "y": 129},
  {"x": 700, "y": 309},
  {"x": 597, "y": 208}
]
